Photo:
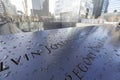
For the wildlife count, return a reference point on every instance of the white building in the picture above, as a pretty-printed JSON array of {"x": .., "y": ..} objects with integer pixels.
[
  {"x": 84, "y": 5},
  {"x": 70, "y": 10},
  {"x": 40, "y": 8}
]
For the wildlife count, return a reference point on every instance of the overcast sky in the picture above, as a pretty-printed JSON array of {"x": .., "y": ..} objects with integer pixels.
[
  {"x": 114, "y": 5},
  {"x": 52, "y": 5},
  {"x": 19, "y": 6}
]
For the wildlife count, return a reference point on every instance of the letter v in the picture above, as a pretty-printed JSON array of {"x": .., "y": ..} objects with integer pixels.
[{"x": 16, "y": 61}]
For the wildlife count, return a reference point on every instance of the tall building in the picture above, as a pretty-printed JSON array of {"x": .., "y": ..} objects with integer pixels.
[
  {"x": 114, "y": 6},
  {"x": 40, "y": 8},
  {"x": 105, "y": 6},
  {"x": 98, "y": 4}
]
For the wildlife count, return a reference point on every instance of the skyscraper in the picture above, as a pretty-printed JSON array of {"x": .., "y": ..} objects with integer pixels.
[
  {"x": 105, "y": 6},
  {"x": 98, "y": 4},
  {"x": 40, "y": 8}
]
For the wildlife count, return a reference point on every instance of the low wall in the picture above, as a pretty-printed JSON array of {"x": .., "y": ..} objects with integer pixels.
[
  {"x": 30, "y": 26},
  {"x": 56, "y": 25},
  {"x": 37, "y": 26},
  {"x": 52, "y": 25},
  {"x": 68, "y": 24}
]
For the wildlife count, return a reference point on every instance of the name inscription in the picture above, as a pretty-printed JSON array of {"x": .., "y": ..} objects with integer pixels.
[
  {"x": 78, "y": 71},
  {"x": 32, "y": 55}
]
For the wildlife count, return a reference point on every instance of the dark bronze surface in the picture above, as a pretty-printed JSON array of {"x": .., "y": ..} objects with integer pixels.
[{"x": 90, "y": 53}]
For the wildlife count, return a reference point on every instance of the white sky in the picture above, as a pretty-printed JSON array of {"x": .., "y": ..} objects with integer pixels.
[
  {"x": 19, "y": 6},
  {"x": 114, "y": 5},
  {"x": 51, "y": 6}
]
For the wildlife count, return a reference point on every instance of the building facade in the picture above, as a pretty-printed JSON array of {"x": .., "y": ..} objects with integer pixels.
[
  {"x": 65, "y": 10},
  {"x": 86, "y": 8},
  {"x": 72, "y": 10},
  {"x": 105, "y": 6},
  {"x": 40, "y": 8},
  {"x": 98, "y": 5}
]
